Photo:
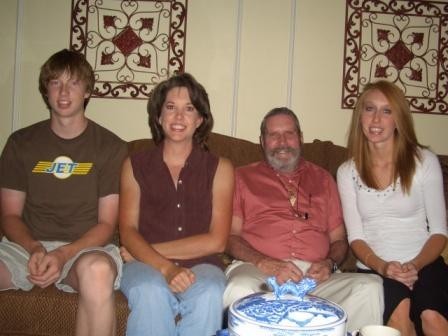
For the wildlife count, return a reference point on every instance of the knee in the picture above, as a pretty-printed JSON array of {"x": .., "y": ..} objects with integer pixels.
[
  {"x": 214, "y": 290},
  {"x": 5, "y": 277},
  {"x": 431, "y": 317},
  {"x": 95, "y": 270},
  {"x": 401, "y": 311},
  {"x": 211, "y": 288}
]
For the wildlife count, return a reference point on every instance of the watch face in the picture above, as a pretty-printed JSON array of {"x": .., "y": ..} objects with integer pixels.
[{"x": 334, "y": 265}]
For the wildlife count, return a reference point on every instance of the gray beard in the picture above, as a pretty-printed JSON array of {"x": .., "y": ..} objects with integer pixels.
[{"x": 280, "y": 165}]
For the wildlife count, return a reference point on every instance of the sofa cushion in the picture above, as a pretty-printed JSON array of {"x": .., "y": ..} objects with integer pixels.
[
  {"x": 58, "y": 308},
  {"x": 239, "y": 151},
  {"x": 52, "y": 312}
]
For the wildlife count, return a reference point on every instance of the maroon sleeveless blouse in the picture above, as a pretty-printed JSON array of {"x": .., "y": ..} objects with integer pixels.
[{"x": 167, "y": 213}]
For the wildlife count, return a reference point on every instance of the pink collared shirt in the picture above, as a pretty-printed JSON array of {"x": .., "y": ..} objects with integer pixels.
[{"x": 270, "y": 223}]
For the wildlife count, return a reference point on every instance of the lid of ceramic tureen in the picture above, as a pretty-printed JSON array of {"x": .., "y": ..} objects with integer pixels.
[
  {"x": 288, "y": 307},
  {"x": 288, "y": 312}
]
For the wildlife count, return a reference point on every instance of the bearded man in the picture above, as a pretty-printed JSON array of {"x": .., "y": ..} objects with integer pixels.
[{"x": 287, "y": 222}]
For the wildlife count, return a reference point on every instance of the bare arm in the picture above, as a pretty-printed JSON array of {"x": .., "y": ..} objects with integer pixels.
[
  {"x": 366, "y": 255},
  {"x": 101, "y": 233},
  {"x": 430, "y": 251},
  {"x": 12, "y": 203},
  {"x": 130, "y": 237},
  {"x": 338, "y": 245},
  {"x": 214, "y": 241}
]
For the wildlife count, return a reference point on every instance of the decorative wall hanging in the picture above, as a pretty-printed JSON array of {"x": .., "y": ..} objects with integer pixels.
[
  {"x": 132, "y": 45},
  {"x": 405, "y": 42}
]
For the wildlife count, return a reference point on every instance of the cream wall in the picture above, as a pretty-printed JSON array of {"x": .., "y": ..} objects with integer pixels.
[
  {"x": 8, "y": 15},
  {"x": 251, "y": 55}
]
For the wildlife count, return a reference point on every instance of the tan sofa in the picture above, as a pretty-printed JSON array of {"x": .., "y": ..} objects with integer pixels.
[{"x": 51, "y": 312}]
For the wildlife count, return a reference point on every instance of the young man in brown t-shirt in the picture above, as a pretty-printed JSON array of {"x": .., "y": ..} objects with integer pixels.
[{"x": 59, "y": 182}]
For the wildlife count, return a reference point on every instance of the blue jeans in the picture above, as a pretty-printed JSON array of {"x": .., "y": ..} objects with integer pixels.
[{"x": 154, "y": 306}]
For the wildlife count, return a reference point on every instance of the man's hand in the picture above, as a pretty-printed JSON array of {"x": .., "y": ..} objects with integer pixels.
[
  {"x": 179, "y": 279},
  {"x": 37, "y": 254},
  {"x": 320, "y": 271},
  {"x": 45, "y": 268},
  {"x": 282, "y": 270}
]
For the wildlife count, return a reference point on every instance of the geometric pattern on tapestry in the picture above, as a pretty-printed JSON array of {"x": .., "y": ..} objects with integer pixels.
[
  {"x": 404, "y": 42},
  {"x": 132, "y": 45}
]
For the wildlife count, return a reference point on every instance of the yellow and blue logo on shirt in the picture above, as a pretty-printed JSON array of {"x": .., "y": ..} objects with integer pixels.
[{"x": 62, "y": 167}]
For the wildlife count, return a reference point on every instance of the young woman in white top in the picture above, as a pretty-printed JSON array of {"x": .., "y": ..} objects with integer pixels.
[{"x": 392, "y": 195}]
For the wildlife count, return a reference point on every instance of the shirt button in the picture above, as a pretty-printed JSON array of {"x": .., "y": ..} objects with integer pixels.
[
  {"x": 180, "y": 182},
  {"x": 294, "y": 231},
  {"x": 179, "y": 228},
  {"x": 293, "y": 254},
  {"x": 178, "y": 205}
]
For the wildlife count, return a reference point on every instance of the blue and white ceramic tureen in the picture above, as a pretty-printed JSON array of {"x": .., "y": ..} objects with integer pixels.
[{"x": 270, "y": 314}]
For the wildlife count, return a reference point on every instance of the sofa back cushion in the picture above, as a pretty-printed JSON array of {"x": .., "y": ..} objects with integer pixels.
[{"x": 242, "y": 152}]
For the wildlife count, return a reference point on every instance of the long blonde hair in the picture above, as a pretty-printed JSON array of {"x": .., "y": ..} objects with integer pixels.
[{"x": 406, "y": 146}]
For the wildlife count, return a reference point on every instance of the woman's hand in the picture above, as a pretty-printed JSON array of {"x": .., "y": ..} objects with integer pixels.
[
  {"x": 410, "y": 274},
  {"x": 405, "y": 273},
  {"x": 125, "y": 255},
  {"x": 179, "y": 279}
]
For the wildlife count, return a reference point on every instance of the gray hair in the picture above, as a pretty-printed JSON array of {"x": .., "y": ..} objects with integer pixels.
[{"x": 280, "y": 111}]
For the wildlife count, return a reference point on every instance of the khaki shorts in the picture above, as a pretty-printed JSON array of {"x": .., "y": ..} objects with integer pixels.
[{"x": 15, "y": 257}]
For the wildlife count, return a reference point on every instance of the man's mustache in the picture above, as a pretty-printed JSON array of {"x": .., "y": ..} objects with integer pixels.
[{"x": 286, "y": 149}]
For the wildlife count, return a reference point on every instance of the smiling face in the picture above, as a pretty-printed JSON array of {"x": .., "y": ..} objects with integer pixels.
[
  {"x": 66, "y": 96},
  {"x": 377, "y": 121},
  {"x": 281, "y": 143},
  {"x": 179, "y": 118}
]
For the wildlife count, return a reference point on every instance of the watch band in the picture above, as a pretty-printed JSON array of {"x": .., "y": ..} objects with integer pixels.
[{"x": 334, "y": 264}]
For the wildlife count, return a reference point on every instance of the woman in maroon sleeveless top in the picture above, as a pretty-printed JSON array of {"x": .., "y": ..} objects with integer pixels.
[{"x": 175, "y": 215}]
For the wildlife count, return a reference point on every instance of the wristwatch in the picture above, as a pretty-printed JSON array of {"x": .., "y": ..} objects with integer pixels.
[{"x": 333, "y": 264}]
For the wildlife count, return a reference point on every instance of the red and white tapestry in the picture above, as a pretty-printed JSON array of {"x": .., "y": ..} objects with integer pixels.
[
  {"x": 132, "y": 45},
  {"x": 405, "y": 42}
]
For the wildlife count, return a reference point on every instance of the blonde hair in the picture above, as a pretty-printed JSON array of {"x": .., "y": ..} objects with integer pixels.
[{"x": 406, "y": 146}]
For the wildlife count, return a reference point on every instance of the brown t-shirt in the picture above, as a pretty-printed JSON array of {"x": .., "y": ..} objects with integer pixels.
[
  {"x": 167, "y": 213},
  {"x": 62, "y": 178}
]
